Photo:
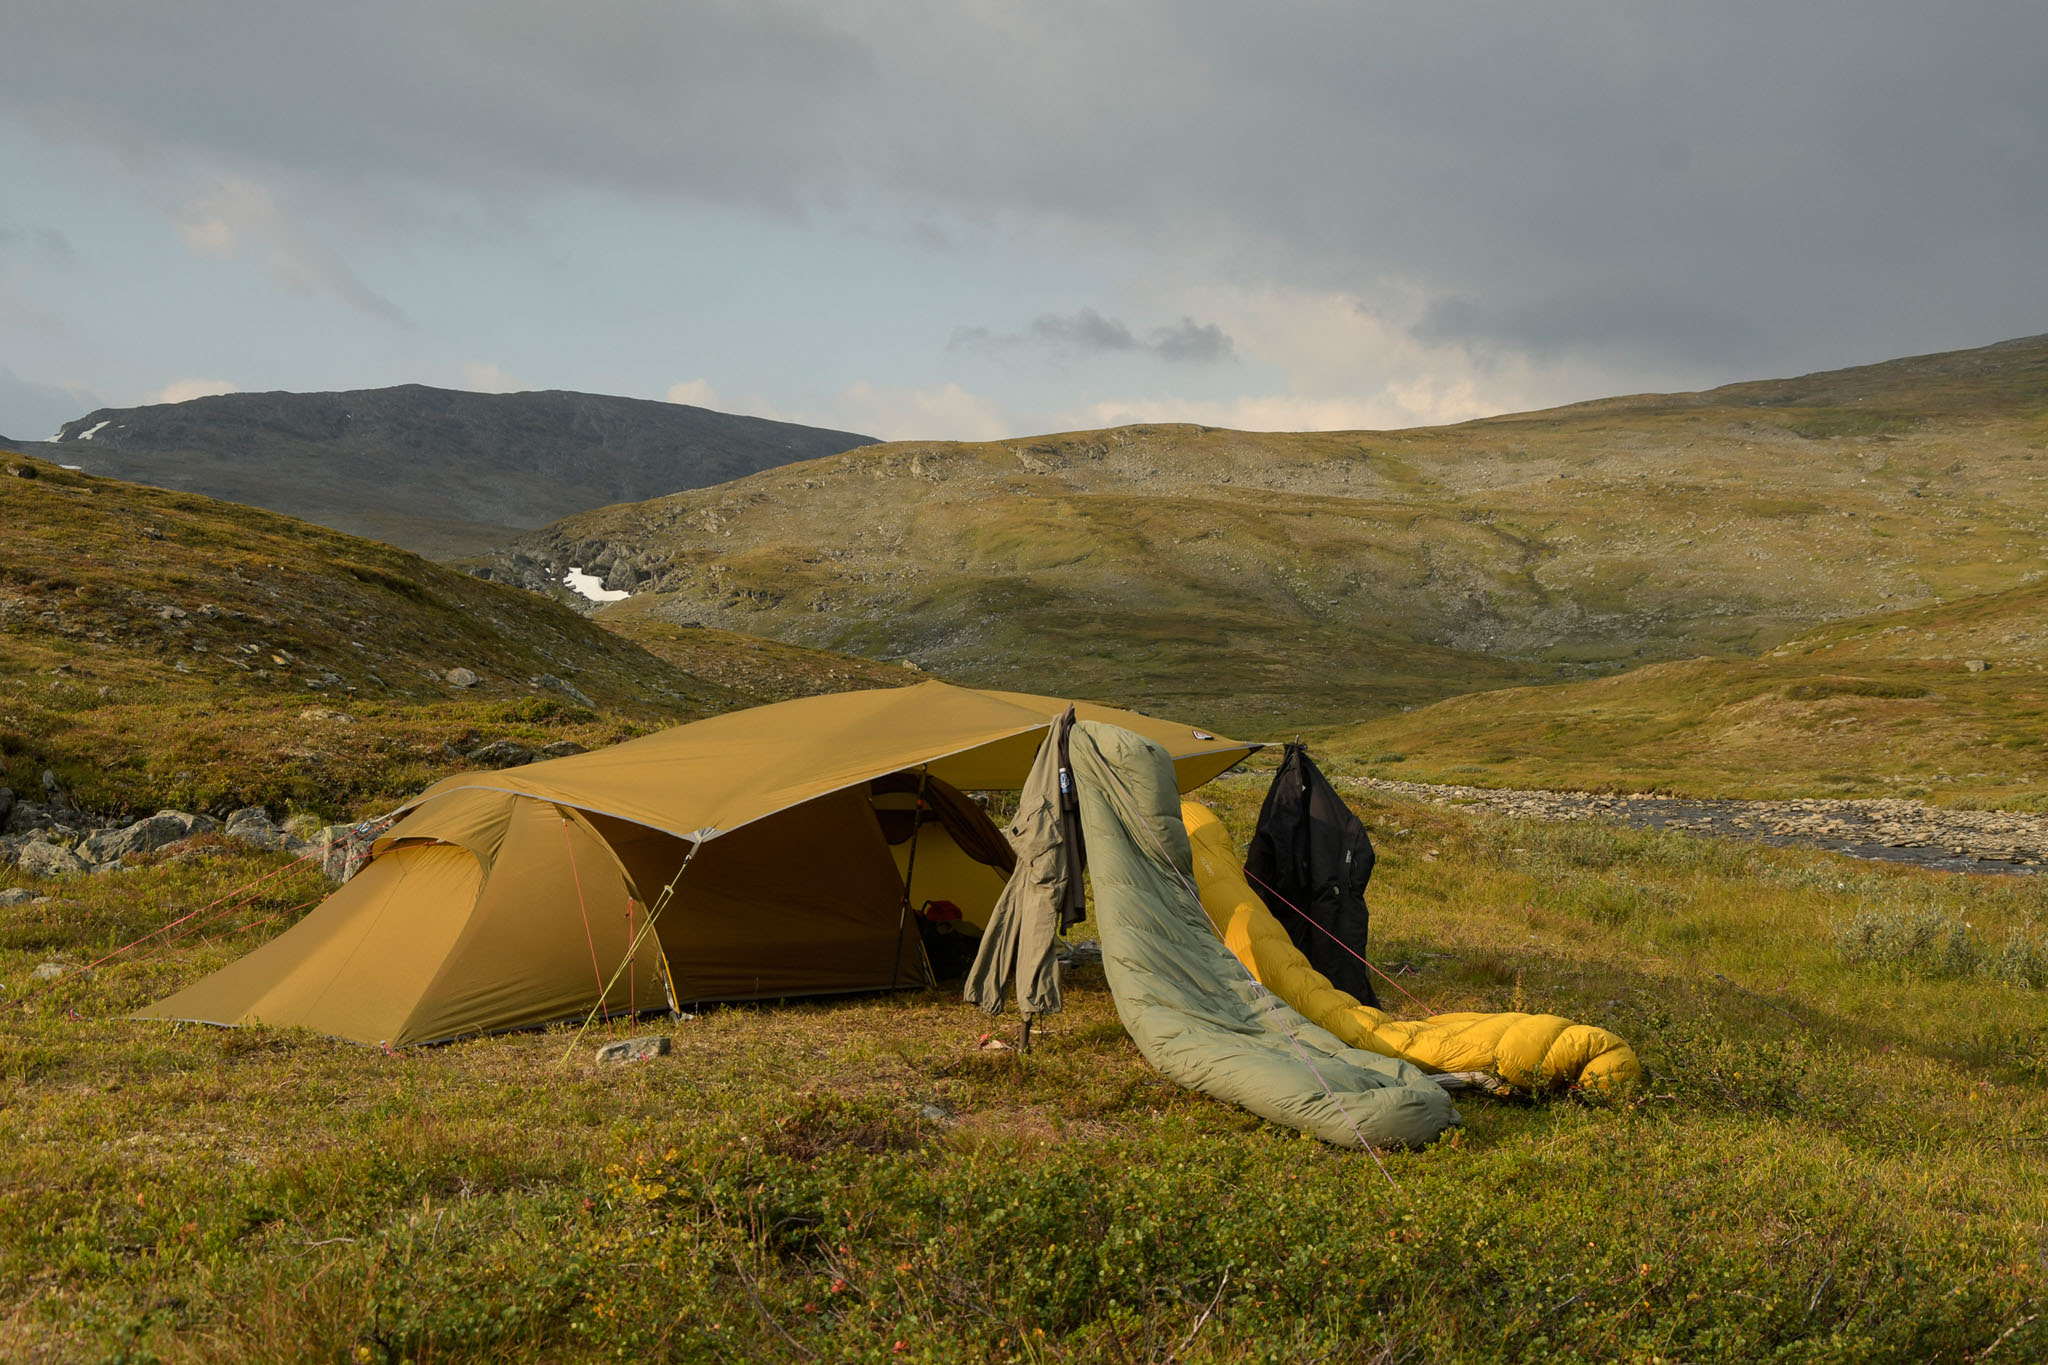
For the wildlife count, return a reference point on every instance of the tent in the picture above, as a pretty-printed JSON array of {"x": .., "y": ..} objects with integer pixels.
[{"x": 503, "y": 900}]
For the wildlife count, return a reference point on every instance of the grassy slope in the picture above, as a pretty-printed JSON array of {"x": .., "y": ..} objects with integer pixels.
[
  {"x": 1873, "y": 706},
  {"x": 1279, "y": 579},
  {"x": 135, "y": 706},
  {"x": 1835, "y": 1161}
]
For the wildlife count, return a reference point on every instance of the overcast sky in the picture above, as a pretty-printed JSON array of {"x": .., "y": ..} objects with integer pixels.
[{"x": 968, "y": 220}]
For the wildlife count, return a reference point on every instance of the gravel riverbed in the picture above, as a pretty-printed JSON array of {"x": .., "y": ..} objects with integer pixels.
[{"x": 1896, "y": 831}]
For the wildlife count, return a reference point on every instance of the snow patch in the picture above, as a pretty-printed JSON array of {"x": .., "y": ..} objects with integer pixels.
[
  {"x": 591, "y": 586},
  {"x": 76, "y": 468},
  {"x": 92, "y": 431}
]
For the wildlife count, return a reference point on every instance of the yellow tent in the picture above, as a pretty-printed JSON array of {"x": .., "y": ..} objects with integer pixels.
[{"x": 510, "y": 899}]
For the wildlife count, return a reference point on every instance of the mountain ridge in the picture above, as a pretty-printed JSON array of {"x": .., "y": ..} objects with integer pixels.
[{"x": 440, "y": 471}]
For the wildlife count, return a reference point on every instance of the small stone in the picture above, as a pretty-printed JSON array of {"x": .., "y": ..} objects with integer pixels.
[
  {"x": 1977, "y": 665},
  {"x": 17, "y": 895},
  {"x": 326, "y": 713},
  {"x": 50, "y": 971},
  {"x": 563, "y": 748},
  {"x": 460, "y": 677},
  {"x": 633, "y": 1050},
  {"x": 936, "y": 1113}
]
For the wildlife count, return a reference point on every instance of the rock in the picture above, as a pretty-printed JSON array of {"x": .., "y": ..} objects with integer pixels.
[
  {"x": 343, "y": 850},
  {"x": 569, "y": 690},
  {"x": 29, "y": 815},
  {"x": 40, "y": 859},
  {"x": 633, "y": 1050},
  {"x": 6, "y": 804},
  {"x": 1977, "y": 665},
  {"x": 460, "y": 677},
  {"x": 563, "y": 748},
  {"x": 50, "y": 971},
  {"x": 501, "y": 753},
  {"x": 18, "y": 895},
  {"x": 251, "y": 826},
  {"x": 936, "y": 1113},
  {"x": 144, "y": 836},
  {"x": 327, "y": 714}
]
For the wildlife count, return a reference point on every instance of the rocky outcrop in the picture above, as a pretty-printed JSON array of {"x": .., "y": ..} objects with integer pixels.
[{"x": 45, "y": 846}]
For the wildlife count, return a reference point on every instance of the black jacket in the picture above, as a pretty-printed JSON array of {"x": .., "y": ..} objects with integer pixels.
[{"x": 1310, "y": 860}]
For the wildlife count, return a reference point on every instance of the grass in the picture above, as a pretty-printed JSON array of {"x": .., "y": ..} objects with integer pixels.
[
  {"x": 165, "y": 649},
  {"x": 1883, "y": 705},
  {"x": 1835, "y": 1159}
]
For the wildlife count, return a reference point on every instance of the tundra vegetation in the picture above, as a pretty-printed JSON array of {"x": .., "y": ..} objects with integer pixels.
[{"x": 1838, "y": 1155}]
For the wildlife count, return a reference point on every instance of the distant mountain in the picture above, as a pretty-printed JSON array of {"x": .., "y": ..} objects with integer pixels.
[{"x": 437, "y": 471}]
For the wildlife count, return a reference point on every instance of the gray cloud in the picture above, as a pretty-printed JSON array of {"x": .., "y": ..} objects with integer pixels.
[
  {"x": 1743, "y": 185},
  {"x": 49, "y": 241},
  {"x": 1086, "y": 331},
  {"x": 33, "y": 412}
]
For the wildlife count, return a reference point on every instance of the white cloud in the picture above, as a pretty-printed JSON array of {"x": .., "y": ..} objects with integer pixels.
[
  {"x": 182, "y": 390},
  {"x": 486, "y": 377},
  {"x": 947, "y": 412},
  {"x": 234, "y": 214},
  {"x": 695, "y": 393}
]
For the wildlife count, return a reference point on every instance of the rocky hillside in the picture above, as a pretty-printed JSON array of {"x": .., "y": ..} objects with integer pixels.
[
  {"x": 1946, "y": 702},
  {"x": 165, "y": 649},
  {"x": 436, "y": 471},
  {"x": 1261, "y": 579}
]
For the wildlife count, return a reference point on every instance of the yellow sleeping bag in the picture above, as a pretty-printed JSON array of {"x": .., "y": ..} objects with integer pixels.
[{"x": 1531, "y": 1051}]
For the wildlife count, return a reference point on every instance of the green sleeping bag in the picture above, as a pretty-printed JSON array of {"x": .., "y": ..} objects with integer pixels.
[{"x": 1194, "y": 1011}]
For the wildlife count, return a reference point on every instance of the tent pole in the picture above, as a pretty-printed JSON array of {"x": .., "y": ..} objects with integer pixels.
[
  {"x": 633, "y": 948},
  {"x": 910, "y": 872}
]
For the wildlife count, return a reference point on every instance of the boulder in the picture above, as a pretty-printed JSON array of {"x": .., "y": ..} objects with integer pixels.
[
  {"x": 563, "y": 748},
  {"x": 41, "y": 859},
  {"x": 500, "y": 753},
  {"x": 343, "y": 850},
  {"x": 144, "y": 836},
  {"x": 18, "y": 895},
  {"x": 460, "y": 677},
  {"x": 251, "y": 826}
]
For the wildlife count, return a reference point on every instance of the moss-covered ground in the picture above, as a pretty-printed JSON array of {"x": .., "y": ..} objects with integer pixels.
[
  {"x": 1946, "y": 703},
  {"x": 1839, "y": 1155}
]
